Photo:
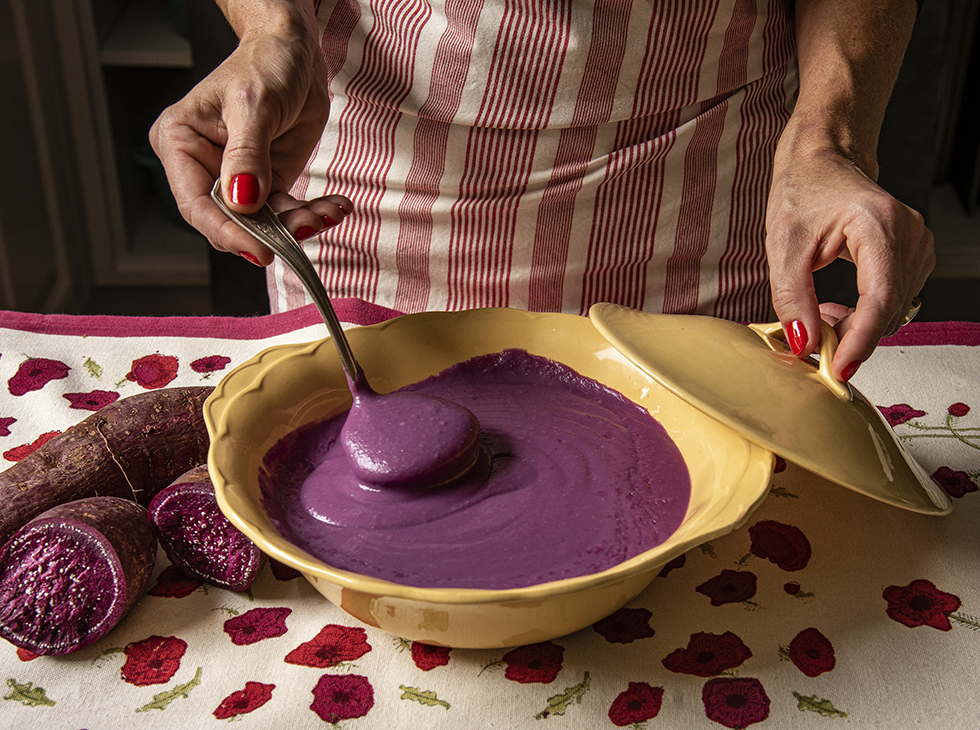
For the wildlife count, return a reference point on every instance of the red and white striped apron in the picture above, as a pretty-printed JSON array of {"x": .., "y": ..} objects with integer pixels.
[{"x": 550, "y": 154}]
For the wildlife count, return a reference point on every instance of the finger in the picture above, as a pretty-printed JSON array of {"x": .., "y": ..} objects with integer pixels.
[
  {"x": 306, "y": 218},
  {"x": 878, "y": 310},
  {"x": 833, "y": 313},
  {"x": 889, "y": 278},
  {"x": 246, "y": 164},
  {"x": 793, "y": 296}
]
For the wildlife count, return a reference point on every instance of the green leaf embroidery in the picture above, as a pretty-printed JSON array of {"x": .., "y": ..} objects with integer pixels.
[
  {"x": 708, "y": 549},
  {"x": 161, "y": 700},
  {"x": 227, "y": 609},
  {"x": 491, "y": 666},
  {"x": 27, "y": 694},
  {"x": 94, "y": 369},
  {"x": 971, "y": 622},
  {"x": 783, "y": 654},
  {"x": 401, "y": 644},
  {"x": 557, "y": 704},
  {"x": 782, "y": 492},
  {"x": 426, "y": 697},
  {"x": 108, "y": 652},
  {"x": 815, "y": 704}
]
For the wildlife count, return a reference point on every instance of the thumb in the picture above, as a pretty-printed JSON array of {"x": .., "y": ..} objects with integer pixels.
[
  {"x": 795, "y": 302},
  {"x": 246, "y": 163}
]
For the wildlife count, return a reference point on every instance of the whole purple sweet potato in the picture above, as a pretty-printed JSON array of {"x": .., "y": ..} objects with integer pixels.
[
  {"x": 198, "y": 538},
  {"x": 73, "y": 572},
  {"x": 132, "y": 448}
]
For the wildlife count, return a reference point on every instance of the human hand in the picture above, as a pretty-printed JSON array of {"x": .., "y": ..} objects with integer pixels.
[
  {"x": 254, "y": 121},
  {"x": 823, "y": 207}
]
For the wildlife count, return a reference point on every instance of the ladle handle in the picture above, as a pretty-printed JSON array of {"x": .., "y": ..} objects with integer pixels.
[
  {"x": 268, "y": 230},
  {"x": 828, "y": 346}
]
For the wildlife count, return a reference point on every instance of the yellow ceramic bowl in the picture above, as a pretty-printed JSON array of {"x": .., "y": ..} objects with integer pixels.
[{"x": 288, "y": 386}]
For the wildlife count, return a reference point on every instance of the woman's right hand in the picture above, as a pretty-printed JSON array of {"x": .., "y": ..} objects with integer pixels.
[{"x": 254, "y": 121}]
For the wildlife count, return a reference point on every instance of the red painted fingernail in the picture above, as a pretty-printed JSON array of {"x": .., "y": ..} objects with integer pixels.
[
  {"x": 848, "y": 372},
  {"x": 244, "y": 189},
  {"x": 251, "y": 258},
  {"x": 328, "y": 221},
  {"x": 797, "y": 336},
  {"x": 304, "y": 233}
]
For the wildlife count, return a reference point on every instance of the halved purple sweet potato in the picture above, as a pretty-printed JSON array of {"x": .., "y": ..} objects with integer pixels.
[
  {"x": 73, "y": 572},
  {"x": 198, "y": 538},
  {"x": 132, "y": 448}
]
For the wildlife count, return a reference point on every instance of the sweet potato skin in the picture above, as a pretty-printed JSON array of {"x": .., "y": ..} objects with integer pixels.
[
  {"x": 131, "y": 449},
  {"x": 121, "y": 528}
]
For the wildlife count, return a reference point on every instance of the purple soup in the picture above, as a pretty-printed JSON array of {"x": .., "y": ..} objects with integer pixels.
[{"x": 574, "y": 478}]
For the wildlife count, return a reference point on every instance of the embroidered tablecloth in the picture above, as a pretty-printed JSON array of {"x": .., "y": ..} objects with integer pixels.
[{"x": 827, "y": 609}]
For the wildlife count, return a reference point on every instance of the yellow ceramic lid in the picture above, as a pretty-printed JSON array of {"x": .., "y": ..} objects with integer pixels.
[{"x": 747, "y": 378}]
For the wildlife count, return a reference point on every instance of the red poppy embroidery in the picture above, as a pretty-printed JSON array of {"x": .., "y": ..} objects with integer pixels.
[
  {"x": 93, "y": 401},
  {"x": 735, "y": 702},
  {"x": 153, "y": 661},
  {"x": 210, "y": 364},
  {"x": 153, "y": 371},
  {"x": 26, "y": 655},
  {"x": 958, "y": 409},
  {"x": 920, "y": 603},
  {"x": 812, "y": 653},
  {"x": 708, "y": 654},
  {"x": 245, "y": 700},
  {"x": 256, "y": 625},
  {"x": 625, "y": 626},
  {"x": 339, "y": 697},
  {"x": 638, "y": 703},
  {"x": 956, "y": 483},
  {"x": 674, "y": 564},
  {"x": 784, "y": 545},
  {"x": 333, "y": 645},
  {"x": 780, "y": 465},
  {"x": 172, "y": 583},
  {"x": 5, "y": 424},
  {"x": 34, "y": 373},
  {"x": 534, "y": 663},
  {"x": 729, "y": 586},
  {"x": 900, "y": 413},
  {"x": 427, "y": 657},
  {"x": 19, "y": 452}
]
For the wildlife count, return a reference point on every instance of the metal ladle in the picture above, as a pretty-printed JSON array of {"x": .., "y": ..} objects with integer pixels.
[
  {"x": 381, "y": 451},
  {"x": 266, "y": 227}
]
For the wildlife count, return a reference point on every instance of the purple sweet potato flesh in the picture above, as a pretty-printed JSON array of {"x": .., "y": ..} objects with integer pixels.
[
  {"x": 132, "y": 448},
  {"x": 71, "y": 574},
  {"x": 198, "y": 538}
]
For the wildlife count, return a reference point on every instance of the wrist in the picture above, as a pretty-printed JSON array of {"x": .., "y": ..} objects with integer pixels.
[
  {"x": 293, "y": 20},
  {"x": 824, "y": 135}
]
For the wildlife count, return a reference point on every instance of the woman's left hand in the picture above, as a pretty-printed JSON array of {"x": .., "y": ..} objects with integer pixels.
[{"x": 823, "y": 207}]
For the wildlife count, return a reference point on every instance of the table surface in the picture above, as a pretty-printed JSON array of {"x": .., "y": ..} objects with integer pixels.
[{"x": 826, "y": 609}]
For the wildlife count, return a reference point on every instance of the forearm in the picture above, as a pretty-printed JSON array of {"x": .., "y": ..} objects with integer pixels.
[
  {"x": 285, "y": 18},
  {"x": 849, "y": 57}
]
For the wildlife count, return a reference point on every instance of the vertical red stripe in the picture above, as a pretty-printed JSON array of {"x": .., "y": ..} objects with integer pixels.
[
  {"x": 449, "y": 70},
  {"x": 501, "y": 147},
  {"x": 593, "y": 107},
  {"x": 743, "y": 293},
  {"x": 623, "y": 244},
  {"x": 683, "y": 270},
  {"x": 365, "y": 148}
]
